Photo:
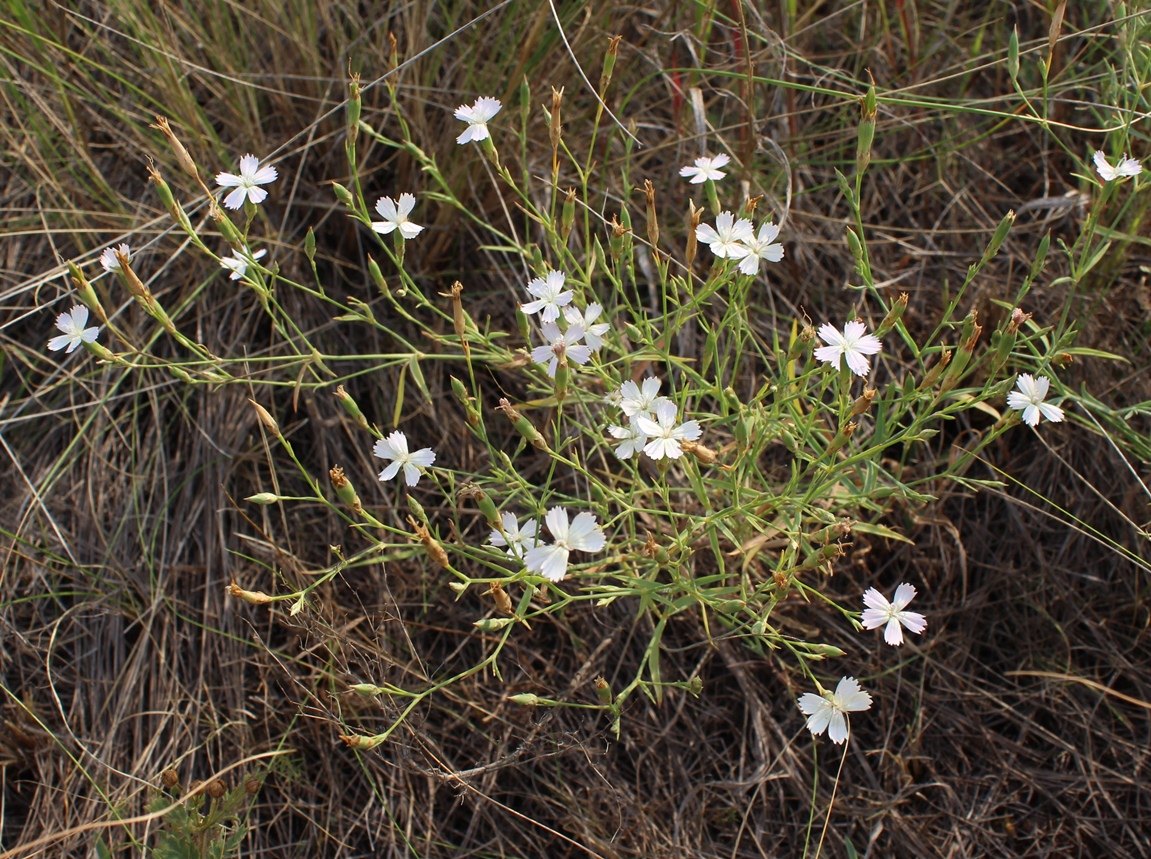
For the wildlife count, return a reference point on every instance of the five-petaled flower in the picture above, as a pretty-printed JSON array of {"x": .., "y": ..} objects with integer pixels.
[
  {"x": 593, "y": 331},
  {"x": 892, "y": 615},
  {"x": 477, "y": 117},
  {"x": 664, "y": 434},
  {"x": 550, "y": 296},
  {"x": 828, "y": 712},
  {"x": 853, "y": 344},
  {"x": 247, "y": 184},
  {"x": 395, "y": 216},
  {"x": 109, "y": 260},
  {"x": 1125, "y": 167},
  {"x": 557, "y": 342},
  {"x": 637, "y": 400},
  {"x": 395, "y": 448},
  {"x": 239, "y": 261},
  {"x": 1029, "y": 399},
  {"x": 551, "y": 561},
  {"x": 518, "y": 539},
  {"x": 632, "y": 439},
  {"x": 705, "y": 168},
  {"x": 72, "y": 324},
  {"x": 727, "y": 239},
  {"x": 763, "y": 246}
]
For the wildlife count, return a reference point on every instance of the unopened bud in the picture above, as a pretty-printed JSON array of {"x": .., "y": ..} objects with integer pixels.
[
  {"x": 266, "y": 418},
  {"x": 863, "y": 402},
  {"x": 704, "y": 454},
  {"x": 567, "y": 216},
  {"x": 471, "y": 413},
  {"x": 367, "y": 690},
  {"x": 362, "y": 744},
  {"x": 345, "y": 490},
  {"x": 932, "y": 375},
  {"x": 603, "y": 690},
  {"x": 555, "y": 130},
  {"x": 866, "y": 131},
  {"x": 263, "y": 498},
  {"x": 609, "y": 63},
  {"x": 652, "y": 220},
  {"x": 250, "y": 597},
  {"x": 802, "y": 343},
  {"x": 344, "y": 195},
  {"x": 431, "y": 545},
  {"x": 695, "y": 686},
  {"x": 351, "y": 407},
  {"x": 378, "y": 277},
  {"x": 85, "y": 292},
  {"x": 502, "y": 600},
  {"x": 523, "y": 426},
  {"x": 484, "y": 502},
  {"x": 525, "y": 698},
  {"x": 893, "y": 315},
  {"x": 694, "y": 216},
  {"x": 999, "y": 236},
  {"x": 355, "y": 105},
  {"x": 183, "y": 159},
  {"x": 563, "y": 371}
]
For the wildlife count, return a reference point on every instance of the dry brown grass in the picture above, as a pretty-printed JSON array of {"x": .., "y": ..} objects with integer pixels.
[{"x": 1017, "y": 726}]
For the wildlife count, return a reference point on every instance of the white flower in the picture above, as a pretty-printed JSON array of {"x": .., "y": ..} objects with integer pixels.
[
  {"x": 561, "y": 341},
  {"x": 705, "y": 168},
  {"x": 108, "y": 257},
  {"x": 727, "y": 238},
  {"x": 252, "y": 175},
  {"x": 593, "y": 331},
  {"x": 828, "y": 712},
  {"x": 583, "y": 534},
  {"x": 72, "y": 324},
  {"x": 550, "y": 296},
  {"x": 1125, "y": 167},
  {"x": 632, "y": 437},
  {"x": 879, "y": 612},
  {"x": 395, "y": 216},
  {"x": 665, "y": 435},
  {"x": 519, "y": 540},
  {"x": 853, "y": 344},
  {"x": 1029, "y": 400},
  {"x": 477, "y": 117},
  {"x": 395, "y": 448},
  {"x": 239, "y": 261},
  {"x": 761, "y": 247},
  {"x": 635, "y": 400}
]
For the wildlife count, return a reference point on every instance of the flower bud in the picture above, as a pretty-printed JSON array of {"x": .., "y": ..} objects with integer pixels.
[
  {"x": 932, "y": 375},
  {"x": 263, "y": 498},
  {"x": 378, "y": 277},
  {"x": 999, "y": 236},
  {"x": 603, "y": 690},
  {"x": 351, "y": 407},
  {"x": 85, "y": 292},
  {"x": 502, "y": 600},
  {"x": 523, "y": 426},
  {"x": 484, "y": 502},
  {"x": 250, "y": 597},
  {"x": 525, "y": 698},
  {"x": 695, "y": 686},
  {"x": 893, "y": 315},
  {"x": 866, "y": 131},
  {"x": 563, "y": 371},
  {"x": 652, "y": 220},
  {"x": 567, "y": 216},
  {"x": 609, "y": 63},
  {"x": 310, "y": 245},
  {"x": 493, "y": 624},
  {"x": 555, "y": 130},
  {"x": 1013, "y": 54},
  {"x": 467, "y": 401},
  {"x": 694, "y": 216},
  {"x": 863, "y": 402},
  {"x": 266, "y": 419},
  {"x": 458, "y": 321},
  {"x": 355, "y": 105},
  {"x": 183, "y": 159},
  {"x": 362, "y": 744},
  {"x": 432, "y": 546},
  {"x": 343, "y": 195},
  {"x": 971, "y": 331},
  {"x": 367, "y": 690},
  {"x": 634, "y": 334},
  {"x": 345, "y": 490}
]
